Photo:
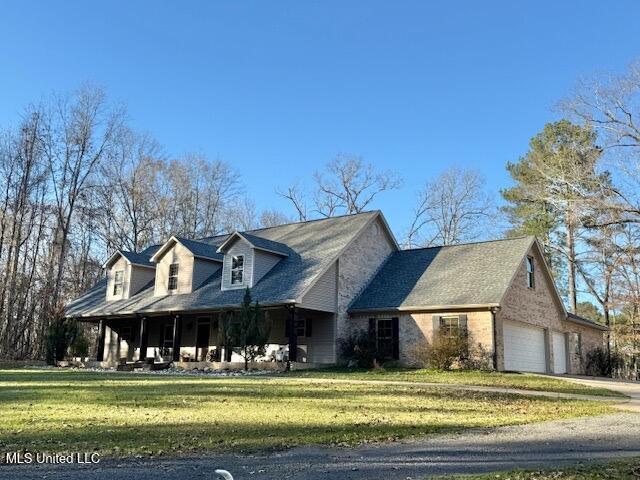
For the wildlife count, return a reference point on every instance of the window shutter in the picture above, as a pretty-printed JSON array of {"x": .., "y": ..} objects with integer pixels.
[
  {"x": 436, "y": 323},
  {"x": 307, "y": 332},
  {"x": 286, "y": 327},
  {"x": 395, "y": 328},
  {"x": 372, "y": 329},
  {"x": 462, "y": 322}
]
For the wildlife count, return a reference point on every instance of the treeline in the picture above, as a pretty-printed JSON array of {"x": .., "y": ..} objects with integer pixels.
[{"x": 75, "y": 184}]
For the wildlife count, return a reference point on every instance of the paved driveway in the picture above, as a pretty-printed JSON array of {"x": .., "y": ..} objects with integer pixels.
[{"x": 631, "y": 389}]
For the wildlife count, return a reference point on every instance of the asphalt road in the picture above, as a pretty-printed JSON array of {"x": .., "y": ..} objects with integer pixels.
[{"x": 525, "y": 446}]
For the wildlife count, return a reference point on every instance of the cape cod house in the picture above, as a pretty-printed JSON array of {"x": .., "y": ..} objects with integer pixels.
[{"x": 321, "y": 280}]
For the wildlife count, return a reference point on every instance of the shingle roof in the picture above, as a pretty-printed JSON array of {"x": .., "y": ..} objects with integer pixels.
[
  {"x": 572, "y": 317},
  {"x": 313, "y": 245},
  {"x": 469, "y": 274},
  {"x": 200, "y": 248},
  {"x": 142, "y": 258},
  {"x": 266, "y": 244}
]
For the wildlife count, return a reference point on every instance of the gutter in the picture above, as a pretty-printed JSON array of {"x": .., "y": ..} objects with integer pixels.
[
  {"x": 426, "y": 308},
  {"x": 586, "y": 323}
]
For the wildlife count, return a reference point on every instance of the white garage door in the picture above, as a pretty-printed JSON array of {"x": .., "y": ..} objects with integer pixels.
[
  {"x": 524, "y": 348},
  {"x": 559, "y": 353}
]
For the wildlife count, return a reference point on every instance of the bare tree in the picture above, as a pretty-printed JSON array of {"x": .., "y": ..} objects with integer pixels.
[
  {"x": 348, "y": 185},
  {"x": 273, "y": 218},
  {"x": 294, "y": 194},
  {"x": 452, "y": 208},
  {"x": 78, "y": 133}
]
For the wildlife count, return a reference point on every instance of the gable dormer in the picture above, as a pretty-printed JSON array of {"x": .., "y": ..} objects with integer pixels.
[
  {"x": 248, "y": 258},
  {"x": 182, "y": 265},
  {"x": 127, "y": 274}
]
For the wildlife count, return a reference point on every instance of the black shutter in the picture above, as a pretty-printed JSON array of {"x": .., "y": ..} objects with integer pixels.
[
  {"x": 372, "y": 329},
  {"x": 462, "y": 323},
  {"x": 395, "y": 327},
  {"x": 307, "y": 332}
]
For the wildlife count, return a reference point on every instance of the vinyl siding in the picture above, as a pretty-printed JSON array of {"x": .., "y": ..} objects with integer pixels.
[
  {"x": 121, "y": 264},
  {"x": 180, "y": 255},
  {"x": 139, "y": 277},
  {"x": 240, "y": 247},
  {"x": 322, "y": 295},
  {"x": 203, "y": 269},
  {"x": 263, "y": 262}
]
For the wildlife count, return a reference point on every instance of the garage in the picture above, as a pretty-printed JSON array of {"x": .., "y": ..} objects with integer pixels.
[
  {"x": 559, "y": 353},
  {"x": 524, "y": 348}
]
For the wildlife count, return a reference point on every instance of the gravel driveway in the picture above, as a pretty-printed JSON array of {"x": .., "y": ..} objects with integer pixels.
[{"x": 553, "y": 443}]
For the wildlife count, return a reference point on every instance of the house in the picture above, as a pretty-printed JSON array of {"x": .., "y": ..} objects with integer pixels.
[{"x": 322, "y": 280}]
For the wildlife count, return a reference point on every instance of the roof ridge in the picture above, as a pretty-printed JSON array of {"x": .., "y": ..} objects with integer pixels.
[{"x": 520, "y": 237}]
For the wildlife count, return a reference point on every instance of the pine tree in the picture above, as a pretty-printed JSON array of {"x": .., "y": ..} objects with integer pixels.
[{"x": 556, "y": 183}]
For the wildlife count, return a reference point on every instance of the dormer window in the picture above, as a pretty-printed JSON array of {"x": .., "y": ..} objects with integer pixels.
[
  {"x": 237, "y": 270},
  {"x": 173, "y": 277},
  {"x": 531, "y": 283},
  {"x": 118, "y": 282}
]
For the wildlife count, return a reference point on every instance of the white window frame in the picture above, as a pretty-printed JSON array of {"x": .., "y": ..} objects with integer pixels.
[
  {"x": 236, "y": 269},
  {"x": 173, "y": 276},
  {"x": 531, "y": 272},
  {"x": 118, "y": 284},
  {"x": 452, "y": 329}
]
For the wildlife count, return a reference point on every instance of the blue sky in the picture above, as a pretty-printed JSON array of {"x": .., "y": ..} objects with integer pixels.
[{"x": 279, "y": 88}]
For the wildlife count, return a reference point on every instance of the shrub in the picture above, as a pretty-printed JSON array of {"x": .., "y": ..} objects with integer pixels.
[
  {"x": 61, "y": 334},
  {"x": 358, "y": 349},
  {"x": 80, "y": 345},
  {"x": 600, "y": 364},
  {"x": 445, "y": 352}
]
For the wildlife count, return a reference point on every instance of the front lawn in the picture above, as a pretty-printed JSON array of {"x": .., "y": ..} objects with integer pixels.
[
  {"x": 125, "y": 414},
  {"x": 628, "y": 469},
  {"x": 461, "y": 377}
]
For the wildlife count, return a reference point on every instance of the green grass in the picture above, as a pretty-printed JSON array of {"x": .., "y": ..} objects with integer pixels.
[
  {"x": 461, "y": 377},
  {"x": 122, "y": 414},
  {"x": 628, "y": 469}
]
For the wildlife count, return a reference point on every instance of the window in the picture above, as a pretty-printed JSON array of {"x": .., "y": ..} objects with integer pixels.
[
  {"x": 530, "y": 273},
  {"x": 301, "y": 326},
  {"x": 450, "y": 326},
  {"x": 118, "y": 282},
  {"x": 173, "y": 277},
  {"x": 384, "y": 338},
  {"x": 237, "y": 270}
]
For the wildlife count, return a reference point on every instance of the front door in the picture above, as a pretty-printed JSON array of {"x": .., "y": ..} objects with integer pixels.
[
  {"x": 166, "y": 346},
  {"x": 202, "y": 339}
]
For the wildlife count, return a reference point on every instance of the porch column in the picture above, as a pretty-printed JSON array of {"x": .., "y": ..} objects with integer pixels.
[
  {"x": 144, "y": 336},
  {"x": 177, "y": 333},
  {"x": 101, "y": 333},
  {"x": 293, "y": 338}
]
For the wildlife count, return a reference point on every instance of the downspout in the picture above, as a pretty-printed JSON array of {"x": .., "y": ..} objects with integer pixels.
[{"x": 495, "y": 337}]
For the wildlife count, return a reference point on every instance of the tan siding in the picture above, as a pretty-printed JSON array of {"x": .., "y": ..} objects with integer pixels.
[
  {"x": 263, "y": 262},
  {"x": 240, "y": 247},
  {"x": 121, "y": 264},
  {"x": 180, "y": 255},
  {"x": 203, "y": 269},
  {"x": 139, "y": 277},
  {"x": 322, "y": 295}
]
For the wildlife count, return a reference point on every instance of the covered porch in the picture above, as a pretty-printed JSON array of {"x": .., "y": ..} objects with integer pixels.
[{"x": 297, "y": 335}]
